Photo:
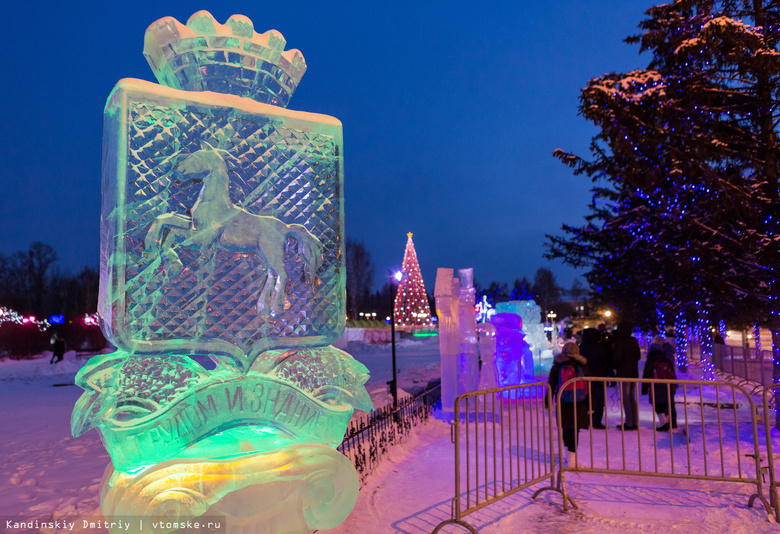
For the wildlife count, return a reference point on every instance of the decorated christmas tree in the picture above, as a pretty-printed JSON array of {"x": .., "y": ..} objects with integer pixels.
[{"x": 411, "y": 301}]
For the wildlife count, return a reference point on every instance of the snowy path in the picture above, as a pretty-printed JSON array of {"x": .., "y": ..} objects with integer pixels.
[
  {"x": 411, "y": 491},
  {"x": 46, "y": 473}
]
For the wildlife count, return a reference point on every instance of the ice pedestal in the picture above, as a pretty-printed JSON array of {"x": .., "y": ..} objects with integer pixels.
[
  {"x": 288, "y": 490},
  {"x": 222, "y": 285}
]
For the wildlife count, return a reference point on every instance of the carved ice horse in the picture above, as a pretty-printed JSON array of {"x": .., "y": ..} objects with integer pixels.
[{"x": 217, "y": 221}]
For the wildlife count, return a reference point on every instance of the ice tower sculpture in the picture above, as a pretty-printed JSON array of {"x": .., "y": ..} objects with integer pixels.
[
  {"x": 457, "y": 335},
  {"x": 222, "y": 286}
]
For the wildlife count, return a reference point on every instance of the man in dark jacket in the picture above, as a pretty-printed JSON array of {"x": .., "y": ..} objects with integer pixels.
[
  {"x": 600, "y": 364},
  {"x": 627, "y": 356}
]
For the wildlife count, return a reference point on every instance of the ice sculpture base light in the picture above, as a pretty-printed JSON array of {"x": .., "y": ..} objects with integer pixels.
[
  {"x": 222, "y": 286},
  {"x": 291, "y": 489}
]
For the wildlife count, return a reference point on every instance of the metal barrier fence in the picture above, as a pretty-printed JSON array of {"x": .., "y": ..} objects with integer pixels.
[
  {"x": 768, "y": 425},
  {"x": 744, "y": 362},
  {"x": 686, "y": 453},
  {"x": 503, "y": 444},
  {"x": 504, "y": 439},
  {"x": 368, "y": 439}
]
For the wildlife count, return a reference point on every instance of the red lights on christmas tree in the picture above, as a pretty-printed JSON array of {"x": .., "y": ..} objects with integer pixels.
[{"x": 411, "y": 301}]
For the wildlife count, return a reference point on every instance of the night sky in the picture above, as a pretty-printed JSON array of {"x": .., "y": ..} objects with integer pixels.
[{"x": 451, "y": 112}]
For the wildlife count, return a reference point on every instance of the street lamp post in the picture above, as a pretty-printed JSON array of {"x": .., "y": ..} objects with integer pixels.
[{"x": 396, "y": 277}]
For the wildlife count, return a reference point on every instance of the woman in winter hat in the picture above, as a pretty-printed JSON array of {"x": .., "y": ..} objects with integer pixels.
[
  {"x": 659, "y": 366},
  {"x": 574, "y": 415}
]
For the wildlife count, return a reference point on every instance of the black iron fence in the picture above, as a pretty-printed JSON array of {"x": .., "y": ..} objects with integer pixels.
[{"x": 369, "y": 439}]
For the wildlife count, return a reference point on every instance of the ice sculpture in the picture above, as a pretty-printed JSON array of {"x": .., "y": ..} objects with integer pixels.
[
  {"x": 468, "y": 351},
  {"x": 531, "y": 315},
  {"x": 457, "y": 336},
  {"x": 514, "y": 360},
  {"x": 222, "y": 285},
  {"x": 488, "y": 373}
]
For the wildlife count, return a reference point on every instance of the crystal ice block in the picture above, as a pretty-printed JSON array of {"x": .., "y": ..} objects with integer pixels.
[{"x": 222, "y": 224}]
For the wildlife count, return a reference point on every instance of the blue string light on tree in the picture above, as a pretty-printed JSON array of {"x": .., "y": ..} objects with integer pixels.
[
  {"x": 681, "y": 336},
  {"x": 757, "y": 337}
]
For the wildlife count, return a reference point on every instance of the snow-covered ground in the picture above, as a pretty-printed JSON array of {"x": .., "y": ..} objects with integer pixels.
[{"x": 44, "y": 473}]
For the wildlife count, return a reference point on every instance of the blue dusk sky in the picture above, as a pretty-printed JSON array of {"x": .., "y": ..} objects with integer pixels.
[{"x": 451, "y": 112}]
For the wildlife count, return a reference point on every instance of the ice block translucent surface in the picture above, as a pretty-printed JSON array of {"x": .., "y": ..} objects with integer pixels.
[
  {"x": 457, "y": 335},
  {"x": 222, "y": 224}
]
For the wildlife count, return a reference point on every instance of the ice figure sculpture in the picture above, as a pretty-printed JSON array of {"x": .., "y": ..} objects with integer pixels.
[
  {"x": 531, "y": 315},
  {"x": 222, "y": 285},
  {"x": 514, "y": 360},
  {"x": 457, "y": 335}
]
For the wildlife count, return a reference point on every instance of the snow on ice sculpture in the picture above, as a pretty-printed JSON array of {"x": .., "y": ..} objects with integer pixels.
[
  {"x": 531, "y": 315},
  {"x": 457, "y": 336},
  {"x": 222, "y": 286}
]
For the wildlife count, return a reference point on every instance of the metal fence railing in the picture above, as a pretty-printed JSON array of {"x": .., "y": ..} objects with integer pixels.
[
  {"x": 768, "y": 421},
  {"x": 707, "y": 444},
  {"x": 504, "y": 442},
  {"x": 368, "y": 439},
  {"x": 744, "y": 362},
  {"x": 505, "y": 439}
]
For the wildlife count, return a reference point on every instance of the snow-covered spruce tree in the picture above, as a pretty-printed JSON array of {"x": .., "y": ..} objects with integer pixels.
[{"x": 685, "y": 164}]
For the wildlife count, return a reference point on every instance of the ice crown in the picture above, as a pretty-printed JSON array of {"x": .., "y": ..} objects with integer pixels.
[{"x": 229, "y": 58}]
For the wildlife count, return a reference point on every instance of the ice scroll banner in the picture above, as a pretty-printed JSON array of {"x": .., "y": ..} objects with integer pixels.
[{"x": 222, "y": 286}]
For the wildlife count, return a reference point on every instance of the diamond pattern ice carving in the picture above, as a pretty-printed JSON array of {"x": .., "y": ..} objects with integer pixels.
[{"x": 284, "y": 172}]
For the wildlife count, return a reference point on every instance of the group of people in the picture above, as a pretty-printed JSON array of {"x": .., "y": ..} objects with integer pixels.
[{"x": 600, "y": 354}]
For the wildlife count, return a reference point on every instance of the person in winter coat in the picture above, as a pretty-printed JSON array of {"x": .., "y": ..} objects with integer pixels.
[
  {"x": 669, "y": 348},
  {"x": 58, "y": 349},
  {"x": 573, "y": 414},
  {"x": 659, "y": 366},
  {"x": 718, "y": 350},
  {"x": 600, "y": 364},
  {"x": 626, "y": 360}
]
